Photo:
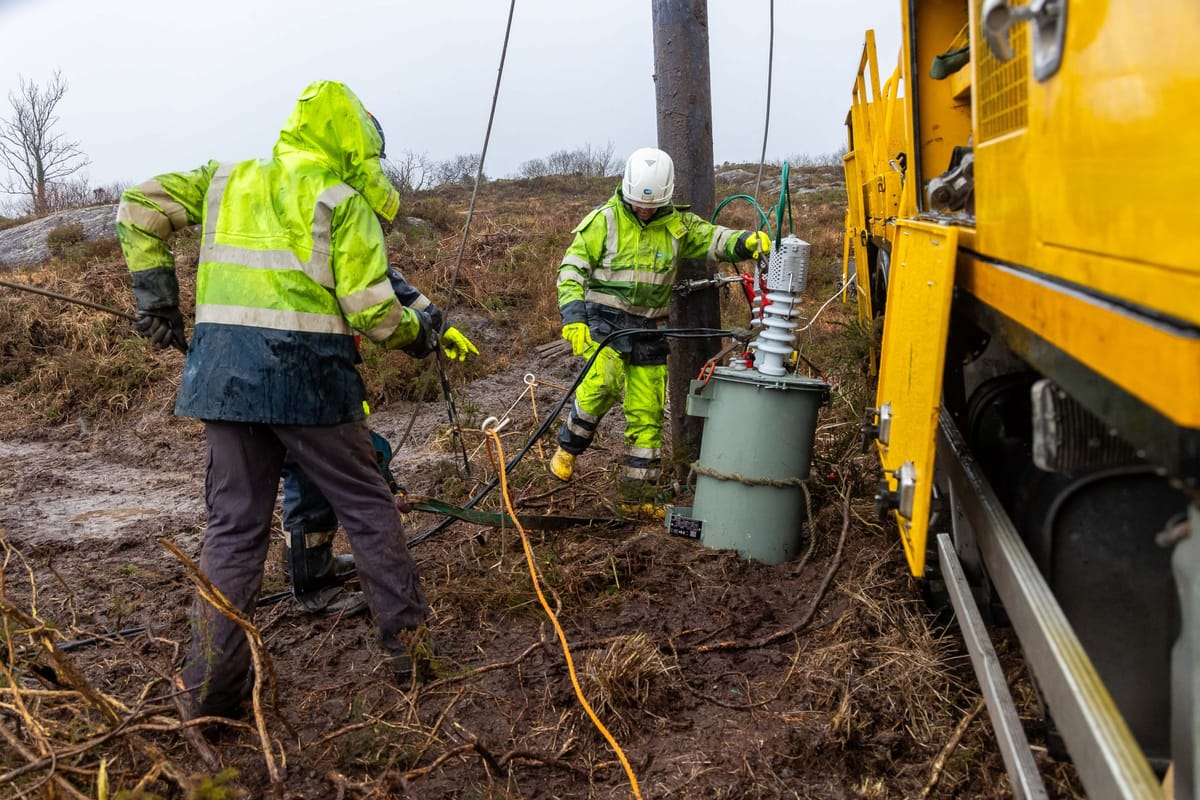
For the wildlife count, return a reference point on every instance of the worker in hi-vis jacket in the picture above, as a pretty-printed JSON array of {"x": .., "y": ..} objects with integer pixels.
[
  {"x": 617, "y": 274},
  {"x": 292, "y": 262}
]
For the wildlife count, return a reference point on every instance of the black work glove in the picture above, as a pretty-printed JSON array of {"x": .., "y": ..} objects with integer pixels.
[
  {"x": 164, "y": 328},
  {"x": 427, "y": 340}
]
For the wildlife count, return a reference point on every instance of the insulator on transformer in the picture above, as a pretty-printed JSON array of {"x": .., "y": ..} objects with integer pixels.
[
  {"x": 787, "y": 272},
  {"x": 787, "y": 266}
]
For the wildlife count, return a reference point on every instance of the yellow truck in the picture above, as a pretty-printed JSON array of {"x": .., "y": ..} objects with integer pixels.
[{"x": 1023, "y": 229}]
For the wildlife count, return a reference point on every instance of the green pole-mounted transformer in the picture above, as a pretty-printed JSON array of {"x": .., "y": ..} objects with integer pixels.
[{"x": 759, "y": 425}]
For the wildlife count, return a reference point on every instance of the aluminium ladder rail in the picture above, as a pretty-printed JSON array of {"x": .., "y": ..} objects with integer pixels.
[
  {"x": 1106, "y": 756},
  {"x": 1014, "y": 747}
]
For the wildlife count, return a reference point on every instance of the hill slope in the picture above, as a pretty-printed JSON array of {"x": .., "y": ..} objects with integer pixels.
[{"x": 719, "y": 678}]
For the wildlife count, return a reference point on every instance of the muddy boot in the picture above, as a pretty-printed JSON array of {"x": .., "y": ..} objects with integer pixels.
[
  {"x": 562, "y": 465},
  {"x": 647, "y": 512},
  {"x": 332, "y": 601},
  {"x": 642, "y": 501},
  {"x": 410, "y": 657},
  {"x": 318, "y": 575}
]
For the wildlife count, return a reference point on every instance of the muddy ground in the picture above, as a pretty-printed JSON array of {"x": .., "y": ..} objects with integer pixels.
[{"x": 716, "y": 677}]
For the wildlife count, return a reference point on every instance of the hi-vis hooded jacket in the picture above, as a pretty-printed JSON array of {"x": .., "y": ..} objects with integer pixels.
[
  {"x": 619, "y": 262},
  {"x": 292, "y": 261}
]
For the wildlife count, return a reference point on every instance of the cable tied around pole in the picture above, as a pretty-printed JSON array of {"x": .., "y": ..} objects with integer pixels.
[{"x": 776, "y": 483}]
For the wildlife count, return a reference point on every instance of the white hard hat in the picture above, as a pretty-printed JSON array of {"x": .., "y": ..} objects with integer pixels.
[{"x": 649, "y": 177}]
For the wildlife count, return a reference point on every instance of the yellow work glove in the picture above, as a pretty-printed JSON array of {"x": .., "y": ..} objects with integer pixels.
[
  {"x": 580, "y": 337},
  {"x": 754, "y": 244},
  {"x": 456, "y": 345}
]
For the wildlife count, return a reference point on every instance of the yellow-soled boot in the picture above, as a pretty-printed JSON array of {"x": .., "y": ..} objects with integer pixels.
[
  {"x": 562, "y": 465},
  {"x": 648, "y": 512}
]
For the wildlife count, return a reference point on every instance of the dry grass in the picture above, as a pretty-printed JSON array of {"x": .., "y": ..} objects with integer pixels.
[
  {"x": 63, "y": 363},
  {"x": 631, "y": 683},
  {"x": 721, "y": 678}
]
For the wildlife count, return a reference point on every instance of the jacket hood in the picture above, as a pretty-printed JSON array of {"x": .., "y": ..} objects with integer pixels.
[{"x": 330, "y": 123}]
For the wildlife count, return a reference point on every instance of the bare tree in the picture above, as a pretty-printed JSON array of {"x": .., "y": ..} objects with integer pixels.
[
  {"x": 31, "y": 151},
  {"x": 411, "y": 172},
  {"x": 586, "y": 161},
  {"x": 460, "y": 169},
  {"x": 80, "y": 193},
  {"x": 534, "y": 168}
]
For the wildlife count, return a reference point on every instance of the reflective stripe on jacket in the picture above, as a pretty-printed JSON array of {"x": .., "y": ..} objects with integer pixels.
[
  {"x": 617, "y": 261},
  {"x": 292, "y": 261}
]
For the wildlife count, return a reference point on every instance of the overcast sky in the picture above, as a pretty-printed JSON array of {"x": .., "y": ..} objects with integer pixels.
[{"x": 158, "y": 86}]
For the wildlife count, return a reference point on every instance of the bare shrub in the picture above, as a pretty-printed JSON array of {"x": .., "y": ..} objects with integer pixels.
[
  {"x": 411, "y": 172},
  {"x": 63, "y": 238},
  {"x": 534, "y": 168},
  {"x": 461, "y": 170},
  {"x": 585, "y": 161},
  {"x": 830, "y": 159}
]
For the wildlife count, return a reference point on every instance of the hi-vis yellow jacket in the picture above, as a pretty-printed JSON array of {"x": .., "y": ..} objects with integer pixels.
[
  {"x": 620, "y": 263},
  {"x": 292, "y": 262}
]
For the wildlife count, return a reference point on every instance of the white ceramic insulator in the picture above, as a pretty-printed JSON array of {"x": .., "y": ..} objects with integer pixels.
[{"x": 787, "y": 273}]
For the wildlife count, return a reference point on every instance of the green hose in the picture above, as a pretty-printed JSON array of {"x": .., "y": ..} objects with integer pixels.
[
  {"x": 764, "y": 220},
  {"x": 785, "y": 197},
  {"x": 785, "y": 202}
]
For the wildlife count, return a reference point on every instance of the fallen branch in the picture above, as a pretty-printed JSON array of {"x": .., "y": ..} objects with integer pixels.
[
  {"x": 59, "y": 780},
  {"x": 258, "y": 655},
  {"x": 749, "y": 706},
  {"x": 114, "y": 712},
  {"x": 939, "y": 763},
  {"x": 498, "y": 764}
]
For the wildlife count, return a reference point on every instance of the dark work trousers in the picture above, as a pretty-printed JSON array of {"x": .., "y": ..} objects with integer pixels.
[
  {"x": 305, "y": 509},
  {"x": 240, "y": 487}
]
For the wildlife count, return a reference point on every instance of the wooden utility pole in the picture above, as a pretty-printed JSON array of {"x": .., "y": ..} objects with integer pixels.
[{"x": 681, "y": 88}]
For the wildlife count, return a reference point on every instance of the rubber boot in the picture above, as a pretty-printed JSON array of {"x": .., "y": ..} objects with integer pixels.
[
  {"x": 318, "y": 575},
  {"x": 640, "y": 500},
  {"x": 562, "y": 465},
  {"x": 648, "y": 512},
  {"x": 410, "y": 657}
]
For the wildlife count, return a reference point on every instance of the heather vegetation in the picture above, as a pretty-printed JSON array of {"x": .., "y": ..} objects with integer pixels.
[{"x": 717, "y": 677}]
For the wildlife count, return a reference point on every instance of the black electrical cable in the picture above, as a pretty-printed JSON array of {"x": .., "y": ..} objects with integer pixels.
[
  {"x": 128, "y": 633},
  {"x": 47, "y": 293},
  {"x": 462, "y": 245},
  {"x": 452, "y": 412},
  {"x": 176, "y": 342},
  {"x": 673, "y": 333},
  {"x": 762, "y": 159}
]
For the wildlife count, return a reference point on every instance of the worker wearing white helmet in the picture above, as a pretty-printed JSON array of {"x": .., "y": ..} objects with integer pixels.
[{"x": 617, "y": 274}]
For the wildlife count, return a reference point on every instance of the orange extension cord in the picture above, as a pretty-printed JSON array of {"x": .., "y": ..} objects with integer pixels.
[{"x": 493, "y": 431}]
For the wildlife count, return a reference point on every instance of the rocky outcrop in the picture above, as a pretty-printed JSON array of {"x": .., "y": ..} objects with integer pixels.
[
  {"x": 25, "y": 245},
  {"x": 801, "y": 180}
]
